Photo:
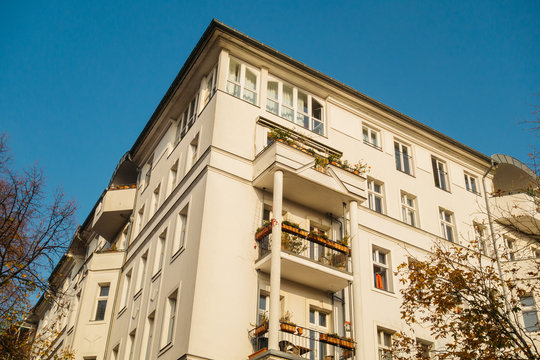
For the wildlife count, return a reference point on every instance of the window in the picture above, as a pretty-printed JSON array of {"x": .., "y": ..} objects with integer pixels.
[
  {"x": 510, "y": 246},
  {"x": 318, "y": 322},
  {"x": 447, "y": 224},
  {"x": 381, "y": 272},
  {"x": 180, "y": 235},
  {"x": 131, "y": 345},
  {"x": 471, "y": 183},
  {"x": 160, "y": 252},
  {"x": 149, "y": 335},
  {"x": 173, "y": 174},
  {"x": 530, "y": 313},
  {"x": 142, "y": 271},
  {"x": 384, "y": 339},
  {"x": 170, "y": 319},
  {"x": 408, "y": 208},
  {"x": 193, "y": 148},
  {"x": 424, "y": 348},
  {"x": 242, "y": 81},
  {"x": 140, "y": 219},
  {"x": 371, "y": 137},
  {"x": 403, "y": 157},
  {"x": 439, "y": 174},
  {"x": 295, "y": 105},
  {"x": 115, "y": 352},
  {"x": 186, "y": 120},
  {"x": 264, "y": 302},
  {"x": 147, "y": 170},
  {"x": 535, "y": 252},
  {"x": 375, "y": 195},
  {"x": 125, "y": 290},
  {"x": 155, "y": 200},
  {"x": 480, "y": 237},
  {"x": 102, "y": 302},
  {"x": 209, "y": 87}
]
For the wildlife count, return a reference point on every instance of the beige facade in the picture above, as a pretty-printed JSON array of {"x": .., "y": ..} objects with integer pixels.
[{"x": 188, "y": 278}]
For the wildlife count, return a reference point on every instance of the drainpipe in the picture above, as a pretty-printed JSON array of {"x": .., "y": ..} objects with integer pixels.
[
  {"x": 357, "y": 278},
  {"x": 490, "y": 221}
]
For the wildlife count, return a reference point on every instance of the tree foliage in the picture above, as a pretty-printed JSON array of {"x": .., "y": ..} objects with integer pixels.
[{"x": 35, "y": 230}]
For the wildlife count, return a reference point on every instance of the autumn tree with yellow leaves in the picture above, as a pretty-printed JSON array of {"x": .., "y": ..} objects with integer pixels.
[{"x": 35, "y": 230}]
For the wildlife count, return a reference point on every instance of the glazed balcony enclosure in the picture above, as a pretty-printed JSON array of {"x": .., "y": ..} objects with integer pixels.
[{"x": 113, "y": 212}]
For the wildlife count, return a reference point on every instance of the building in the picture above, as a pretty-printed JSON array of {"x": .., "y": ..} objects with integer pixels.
[{"x": 176, "y": 261}]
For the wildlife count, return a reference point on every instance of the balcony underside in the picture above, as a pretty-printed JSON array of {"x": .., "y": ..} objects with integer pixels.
[
  {"x": 307, "y": 272},
  {"x": 321, "y": 191}
]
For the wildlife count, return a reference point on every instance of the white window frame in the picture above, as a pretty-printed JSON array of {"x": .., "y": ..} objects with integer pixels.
[
  {"x": 192, "y": 153},
  {"x": 448, "y": 225},
  {"x": 323, "y": 349},
  {"x": 140, "y": 220},
  {"x": 382, "y": 268},
  {"x": 232, "y": 84},
  {"x": 100, "y": 298},
  {"x": 181, "y": 230},
  {"x": 126, "y": 288},
  {"x": 403, "y": 157},
  {"x": 480, "y": 235},
  {"x": 149, "y": 334},
  {"x": 155, "y": 199},
  {"x": 532, "y": 310},
  {"x": 186, "y": 119},
  {"x": 209, "y": 84},
  {"x": 173, "y": 176},
  {"x": 408, "y": 209},
  {"x": 510, "y": 244},
  {"x": 440, "y": 173},
  {"x": 159, "y": 256},
  {"x": 426, "y": 347},
  {"x": 169, "y": 319},
  {"x": 141, "y": 273},
  {"x": 371, "y": 136},
  {"x": 131, "y": 345},
  {"x": 383, "y": 348},
  {"x": 374, "y": 195},
  {"x": 471, "y": 183},
  {"x": 313, "y": 122},
  {"x": 263, "y": 312}
]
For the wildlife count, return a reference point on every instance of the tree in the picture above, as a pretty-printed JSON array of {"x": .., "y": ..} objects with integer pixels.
[
  {"x": 483, "y": 307},
  {"x": 35, "y": 231}
]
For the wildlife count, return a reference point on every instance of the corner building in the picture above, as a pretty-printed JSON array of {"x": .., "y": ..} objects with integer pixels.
[{"x": 246, "y": 137}]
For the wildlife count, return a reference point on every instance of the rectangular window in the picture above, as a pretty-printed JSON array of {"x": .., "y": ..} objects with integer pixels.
[
  {"x": 149, "y": 336},
  {"x": 381, "y": 272},
  {"x": 480, "y": 237},
  {"x": 264, "y": 302},
  {"x": 209, "y": 88},
  {"x": 160, "y": 252},
  {"x": 142, "y": 271},
  {"x": 371, "y": 137},
  {"x": 375, "y": 195},
  {"x": 115, "y": 352},
  {"x": 180, "y": 235},
  {"x": 155, "y": 200},
  {"x": 102, "y": 298},
  {"x": 440, "y": 174},
  {"x": 147, "y": 172},
  {"x": 131, "y": 345},
  {"x": 447, "y": 224},
  {"x": 187, "y": 119},
  {"x": 242, "y": 81},
  {"x": 140, "y": 219},
  {"x": 384, "y": 340},
  {"x": 170, "y": 319},
  {"x": 403, "y": 157},
  {"x": 318, "y": 322},
  {"x": 193, "y": 150},
  {"x": 535, "y": 252},
  {"x": 530, "y": 314},
  {"x": 295, "y": 105},
  {"x": 424, "y": 348},
  {"x": 510, "y": 246},
  {"x": 471, "y": 183},
  {"x": 408, "y": 208},
  {"x": 126, "y": 290},
  {"x": 173, "y": 175}
]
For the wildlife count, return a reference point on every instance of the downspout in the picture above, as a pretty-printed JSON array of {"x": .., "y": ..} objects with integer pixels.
[{"x": 490, "y": 221}]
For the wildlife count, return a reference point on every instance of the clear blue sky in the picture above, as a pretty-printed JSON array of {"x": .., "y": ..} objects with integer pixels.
[{"x": 79, "y": 80}]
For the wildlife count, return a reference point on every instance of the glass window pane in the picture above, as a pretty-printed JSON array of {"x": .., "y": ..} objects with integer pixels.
[
  {"x": 318, "y": 127},
  {"x": 104, "y": 291},
  {"x": 233, "y": 89},
  {"x": 100, "y": 311},
  {"x": 302, "y": 104},
  {"x": 251, "y": 80},
  {"x": 272, "y": 90},
  {"x": 312, "y": 316},
  {"x": 250, "y": 96},
  {"x": 287, "y": 95},
  {"x": 530, "y": 320},
  {"x": 272, "y": 106},
  {"x": 287, "y": 113},
  {"x": 322, "y": 319},
  {"x": 365, "y": 134},
  {"x": 527, "y": 301},
  {"x": 234, "y": 71},
  {"x": 316, "y": 109},
  {"x": 262, "y": 302}
]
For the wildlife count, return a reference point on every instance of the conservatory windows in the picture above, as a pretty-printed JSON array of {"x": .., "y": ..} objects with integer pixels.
[
  {"x": 242, "y": 81},
  {"x": 294, "y": 105}
]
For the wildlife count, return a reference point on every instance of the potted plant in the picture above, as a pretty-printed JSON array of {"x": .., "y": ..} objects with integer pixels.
[
  {"x": 263, "y": 326},
  {"x": 347, "y": 343},
  {"x": 320, "y": 162},
  {"x": 329, "y": 338},
  {"x": 292, "y": 243},
  {"x": 338, "y": 260},
  {"x": 263, "y": 230},
  {"x": 334, "y": 160},
  {"x": 286, "y": 324},
  {"x": 279, "y": 135}
]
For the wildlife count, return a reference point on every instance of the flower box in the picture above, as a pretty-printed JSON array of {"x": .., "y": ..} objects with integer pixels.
[
  {"x": 346, "y": 343},
  {"x": 329, "y": 339},
  {"x": 261, "y": 329},
  {"x": 294, "y": 230},
  {"x": 263, "y": 232},
  {"x": 289, "y": 328}
]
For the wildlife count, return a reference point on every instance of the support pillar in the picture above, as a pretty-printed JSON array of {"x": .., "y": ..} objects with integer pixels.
[
  {"x": 275, "y": 264},
  {"x": 356, "y": 250}
]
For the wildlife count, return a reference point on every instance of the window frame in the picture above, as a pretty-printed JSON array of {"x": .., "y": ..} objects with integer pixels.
[
  {"x": 100, "y": 299},
  {"x": 382, "y": 268},
  {"x": 308, "y": 115},
  {"x": 384, "y": 350},
  {"x": 445, "y": 225},
  {"x": 141, "y": 272},
  {"x": 316, "y": 326},
  {"x": 370, "y": 131},
  {"x": 403, "y": 157},
  {"x": 159, "y": 255},
  {"x": 187, "y": 118},
  {"x": 181, "y": 230},
  {"x": 241, "y": 82},
  {"x": 407, "y": 209},
  {"x": 529, "y": 309},
  {"x": 480, "y": 235},
  {"x": 126, "y": 289},
  {"x": 471, "y": 186},
  {"x": 209, "y": 86},
  {"x": 373, "y": 195},
  {"x": 440, "y": 176},
  {"x": 169, "y": 319}
]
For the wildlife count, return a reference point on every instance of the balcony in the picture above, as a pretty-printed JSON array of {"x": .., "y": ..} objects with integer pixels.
[
  {"x": 113, "y": 212},
  {"x": 519, "y": 210},
  {"x": 301, "y": 343},
  {"x": 307, "y": 258},
  {"x": 322, "y": 188}
]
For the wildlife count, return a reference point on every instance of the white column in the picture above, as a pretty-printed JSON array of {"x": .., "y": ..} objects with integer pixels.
[
  {"x": 357, "y": 284},
  {"x": 275, "y": 267}
]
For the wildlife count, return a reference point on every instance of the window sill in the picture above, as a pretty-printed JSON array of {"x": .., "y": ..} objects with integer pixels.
[
  {"x": 137, "y": 294},
  {"x": 406, "y": 173},
  {"x": 177, "y": 253},
  {"x": 247, "y": 102},
  {"x": 165, "y": 348},
  {"x": 440, "y": 188},
  {"x": 97, "y": 322},
  {"x": 122, "y": 311},
  {"x": 474, "y": 192},
  {"x": 384, "y": 292},
  {"x": 156, "y": 275},
  {"x": 373, "y": 146}
]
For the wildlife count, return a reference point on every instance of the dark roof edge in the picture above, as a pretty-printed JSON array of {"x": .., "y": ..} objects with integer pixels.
[{"x": 215, "y": 24}]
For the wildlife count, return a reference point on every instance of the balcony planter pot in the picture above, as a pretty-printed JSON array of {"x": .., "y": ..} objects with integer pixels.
[
  {"x": 299, "y": 330},
  {"x": 263, "y": 232},
  {"x": 329, "y": 339},
  {"x": 346, "y": 344},
  {"x": 261, "y": 329},
  {"x": 289, "y": 328}
]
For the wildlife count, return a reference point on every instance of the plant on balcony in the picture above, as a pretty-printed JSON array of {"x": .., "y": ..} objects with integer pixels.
[
  {"x": 344, "y": 241},
  {"x": 347, "y": 343},
  {"x": 293, "y": 228},
  {"x": 337, "y": 260},
  {"x": 280, "y": 135},
  {"x": 292, "y": 243},
  {"x": 263, "y": 230},
  {"x": 318, "y": 237},
  {"x": 262, "y": 328},
  {"x": 335, "y": 160},
  {"x": 286, "y": 324},
  {"x": 329, "y": 338},
  {"x": 320, "y": 162}
]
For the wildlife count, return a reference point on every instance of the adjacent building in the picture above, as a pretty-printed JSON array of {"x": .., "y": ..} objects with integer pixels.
[{"x": 177, "y": 258}]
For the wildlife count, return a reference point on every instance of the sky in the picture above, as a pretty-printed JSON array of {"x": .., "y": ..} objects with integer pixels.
[{"x": 79, "y": 80}]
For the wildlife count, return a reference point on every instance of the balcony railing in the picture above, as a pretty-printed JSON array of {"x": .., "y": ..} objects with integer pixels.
[
  {"x": 306, "y": 343},
  {"x": 307, "y": 245}
]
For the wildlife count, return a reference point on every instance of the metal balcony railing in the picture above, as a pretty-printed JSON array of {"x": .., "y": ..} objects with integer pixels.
[{"x": 306, "y": 343}]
